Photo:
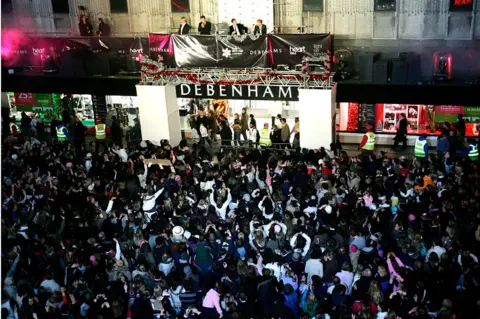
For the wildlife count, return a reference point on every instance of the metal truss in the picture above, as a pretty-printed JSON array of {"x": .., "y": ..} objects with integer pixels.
[{"x": 258, "y": 76}]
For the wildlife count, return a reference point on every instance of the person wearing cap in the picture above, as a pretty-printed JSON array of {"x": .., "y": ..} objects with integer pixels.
[
  {"x": 368, "y": 140},
  {"x": 101, "y": 131},
  {"x": 421, "y": 146},
  {"x": 62, "y": 133}
]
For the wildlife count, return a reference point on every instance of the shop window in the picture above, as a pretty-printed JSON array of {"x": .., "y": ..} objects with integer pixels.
[
  {"x": 119, "y": 6},
  {"x": 60, "y": 6},
  {"x": 180, "y": 5}
]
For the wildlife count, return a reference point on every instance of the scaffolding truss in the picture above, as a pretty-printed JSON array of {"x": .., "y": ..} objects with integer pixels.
[{"x": 261, "y": 76}]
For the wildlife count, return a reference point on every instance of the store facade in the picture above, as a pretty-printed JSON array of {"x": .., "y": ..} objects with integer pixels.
[{"x": 428, "y": 108}]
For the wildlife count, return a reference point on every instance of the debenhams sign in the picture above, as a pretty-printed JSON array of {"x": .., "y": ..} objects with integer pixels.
[{"x": 238, "y": 92}]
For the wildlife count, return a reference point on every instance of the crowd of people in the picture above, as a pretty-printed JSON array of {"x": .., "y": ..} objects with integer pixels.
[
  {"x": 243, "y": 130},
  {"x": 116, "y": 232}
]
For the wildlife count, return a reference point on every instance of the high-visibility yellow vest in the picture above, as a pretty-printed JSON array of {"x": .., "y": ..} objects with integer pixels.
[
  {"x": 100, "y": 132},
  {"x": 15, "y": 125},
  {"x": 419, "y": 151},
  {"x": 473, "y": 154},
  {"x": 60, "y": 135},
  {"x": 265, "y": 138},
  {"x": 370, "y": 145}
]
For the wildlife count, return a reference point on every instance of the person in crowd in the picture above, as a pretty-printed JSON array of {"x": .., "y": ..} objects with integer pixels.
[
  {"x": 237, "y": 28},
  {"x": 204, "y": 27},
  {"x": 116, "y": 131},
  {"x": 260, "y": 29},
  {"x": 103, "y": 29},
  {"x": 15, "y": 129},
  {"x": 101, "y": 132},
  {"x": 85, "y": 28},
  {"x": 184, "y": 26},
  {"x": 79, "y": 135},
  {"x": 253, "y": 136},
  {"x": 265, "y": 140},
  {"x": 237, "y": 129},
  {"x": 253, "y": 120},
  {"x": 244, "y": 124},
  {"x": 285, "y": 133},
  {"x": 233, "y": 233},
  {"x": 421, "y": 146},
  {"x": 26, "y": 126},
  {"x": 225, "y": 131},
  {"x": 401, "y": 135},
  {"x": 443, "y": 146},
  {"x": 296, "y": 133},
  {"x": 461, "y": 127},
  {"x": 368, "y": 141}
]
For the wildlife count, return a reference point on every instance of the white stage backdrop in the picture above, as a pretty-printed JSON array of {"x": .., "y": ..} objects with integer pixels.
[
  {"x": 158, "y": 113},
  {"x": 316, "y": 118},
  {"x": 247, "y": 12}
]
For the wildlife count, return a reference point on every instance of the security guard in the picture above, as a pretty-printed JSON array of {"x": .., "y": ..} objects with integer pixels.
[
  {"x": 62, "y": 133},
  {"x": 473, "y": 150},
  {"x": 265, "y": 140},
  {"x": 101, "y": 131},
  {"x": 15, "y": 129},
  {"x": 421, "y": 146},
  {"x": 368, "y": 141}
]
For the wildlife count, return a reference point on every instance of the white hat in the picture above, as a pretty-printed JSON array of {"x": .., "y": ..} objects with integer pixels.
[
  {"x": 14, "y": 157},
  {"x": 382, "y": 198},
  {"x": 320, "y": 161},
  {"x": 402, "y": 158},
  {"x": 277, "y": 229},
  {"x": 143, "y": 144},
  {"x": 91, "y": 187},
  {"x": 89, "y": 155},
  {"x": 177, "y": 231}
]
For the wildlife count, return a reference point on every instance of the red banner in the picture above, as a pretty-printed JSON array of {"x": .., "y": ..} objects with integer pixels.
[
  {"x": 161, "y": 45},
  {"x": 448, "y": 109},
  {"x": 25, "y": 99}
]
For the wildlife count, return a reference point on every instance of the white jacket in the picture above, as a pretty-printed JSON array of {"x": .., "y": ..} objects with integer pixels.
[
  {"x": 313, "y": 267},
  {"x": 252, "y": 135}
]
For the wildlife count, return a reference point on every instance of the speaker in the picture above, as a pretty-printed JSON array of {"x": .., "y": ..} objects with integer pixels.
[
  {"x": 414, "y": 66},
  {"x": 380, "y": 72},
  {"x": 399, "y": 72},
  {"x": 366, "y": 62},
  {"x": 72, "y": 64},
  {"x": 98, "y": 64}
]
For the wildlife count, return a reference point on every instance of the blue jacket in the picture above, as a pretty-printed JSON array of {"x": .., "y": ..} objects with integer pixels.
[{"x": 443, "y": 145}]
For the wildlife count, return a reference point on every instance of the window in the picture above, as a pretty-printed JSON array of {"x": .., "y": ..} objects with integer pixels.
[
  {"x": 7, "y": 7},
  {"x": 180, "y": 5},
  {"x": 313, "y": 5},
  {"x": 384, "y": 5},
  {"x": 60, "y": 6},
  {"x": 119, "y": 6}
]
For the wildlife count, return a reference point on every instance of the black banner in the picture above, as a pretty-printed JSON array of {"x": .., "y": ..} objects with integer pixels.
[
  {"x": 366, "y": 116},
  {"x": 290, "y": 49},
  {"x": 195, "y": 51},
  {"x": 238, "y": 92},
  {"x": 461, "y": 5},
  {"x": 242, "y": 51}
]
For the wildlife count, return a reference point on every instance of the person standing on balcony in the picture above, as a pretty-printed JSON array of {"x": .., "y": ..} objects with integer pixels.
[
  {"x": 204, "y": 27},
  {"x": 285, "y": 134},
  {"x": 103, "y": 28},
  {"x": 184, "y": 26},
  {"x": 85, "y": 28}
]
